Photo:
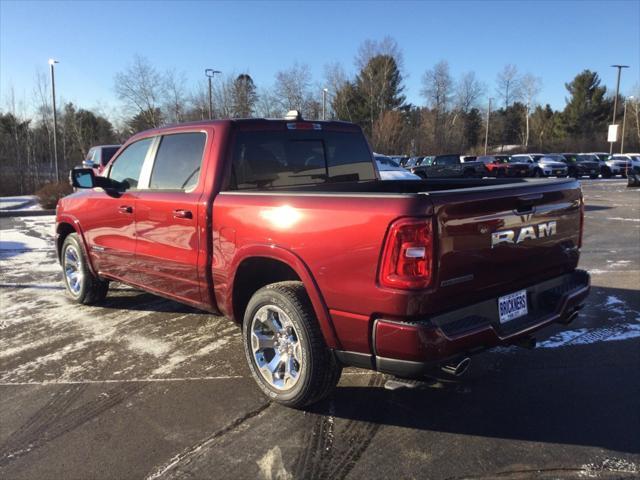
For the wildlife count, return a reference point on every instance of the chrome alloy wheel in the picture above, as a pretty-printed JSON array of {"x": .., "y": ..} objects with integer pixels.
[
  {"x": 73, "y": 269},
  {"x": 276, "y": 347}
]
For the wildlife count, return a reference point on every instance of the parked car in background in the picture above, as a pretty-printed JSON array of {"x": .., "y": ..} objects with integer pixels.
[
  {"x": 411, "y": 162},
  {"x": 619, "y": 164},
  {"x": 448, "y": 166},
  {"x": 579, "y": 166},
  {"x": 600, "y": 159},
  {"x": 399, "y": 159},
  {"x": 550, "y": 165},
  {"x": 98, "y": 157},
  {"x": 520, "y": 167},
  {"x": 389, "y": 169},
  {"x": 284, "y": 227},
  {"x": 496, "y": 165},
  {"x": 468, "y": 158}
]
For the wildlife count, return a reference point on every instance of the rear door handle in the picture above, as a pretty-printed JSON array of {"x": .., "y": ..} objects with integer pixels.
[
  {"x": 182, "y": 214},
  {"x": 125, "y": 209}
]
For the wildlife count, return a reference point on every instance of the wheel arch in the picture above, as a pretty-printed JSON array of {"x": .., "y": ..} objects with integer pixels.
[
  {"x": 273, "y": 264},
  {"x": 65, "y": 226}
]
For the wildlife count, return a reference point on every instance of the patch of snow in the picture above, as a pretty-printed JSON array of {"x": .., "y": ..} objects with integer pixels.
[
  {"x": 624, "y": 219},
  {"x": 16, "y": 240},
  {"x": 584, "y": 336}
]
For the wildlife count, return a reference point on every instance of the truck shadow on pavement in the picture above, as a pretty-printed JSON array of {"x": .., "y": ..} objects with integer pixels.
[
  {"x": 581, "y": 387},
  {"x": 593, "y": 405}
]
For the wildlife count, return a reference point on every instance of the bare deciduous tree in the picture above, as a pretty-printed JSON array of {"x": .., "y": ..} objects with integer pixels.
[
  {"x": 530, "y": 86},
  {"x": 508, "y": 86},
  {"x": 293, "y": 87},
  {"x": 469, "y": 90},
  {"x": 140, "y": 86},
  {"x": 437, "y": 89},
  {"x": 174, "y": 93}
]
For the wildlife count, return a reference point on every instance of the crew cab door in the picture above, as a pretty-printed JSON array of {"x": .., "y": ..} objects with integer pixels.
[
  {"x": 109, "y": 217},
  {"x": 169, "y": 245}
]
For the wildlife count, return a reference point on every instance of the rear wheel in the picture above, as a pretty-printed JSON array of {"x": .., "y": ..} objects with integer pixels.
[
  {"x": 82, "y": 285},
  {"x": 537, "y": 173},
  {"x": 286, "y": 352},
  {"x": 606, "y": 172}
]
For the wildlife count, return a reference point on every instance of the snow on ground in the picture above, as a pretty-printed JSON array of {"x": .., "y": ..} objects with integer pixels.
[{"x": 24, "y": 202}]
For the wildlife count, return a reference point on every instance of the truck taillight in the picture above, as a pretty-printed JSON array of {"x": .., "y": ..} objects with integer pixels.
[{"x": 407, "y": 259}]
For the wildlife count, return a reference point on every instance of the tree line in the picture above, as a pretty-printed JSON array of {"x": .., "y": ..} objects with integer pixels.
[{"x": 451, "y": 118}]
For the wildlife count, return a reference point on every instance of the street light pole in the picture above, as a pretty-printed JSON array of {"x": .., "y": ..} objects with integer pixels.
[
  {"x": 486, "y": 132},
  {"x": 52, "y": 62},
  {"x": 615, "y": 101},
  {"x": 324, "y": 103},
  {"x": 624, "y": 123},
  {"x": 209, "y": 72}
]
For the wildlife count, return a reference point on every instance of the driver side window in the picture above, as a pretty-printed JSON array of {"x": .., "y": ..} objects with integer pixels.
[{"x": 126, "y": 168}]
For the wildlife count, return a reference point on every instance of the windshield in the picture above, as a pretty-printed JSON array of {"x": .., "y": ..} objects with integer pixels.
[
  {"x": 555, "y": 158},
  {"x": 386, "y": 163},
  {"x": 519, "y": 160},
  {"x": 501, "y": 159},
  {"x": 587, "y": 158}
]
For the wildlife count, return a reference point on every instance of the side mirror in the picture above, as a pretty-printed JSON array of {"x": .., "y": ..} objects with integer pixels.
[{"x": 82, "y": 178}]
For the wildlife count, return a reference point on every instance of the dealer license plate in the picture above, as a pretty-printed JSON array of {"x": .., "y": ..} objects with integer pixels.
[{"x": 512, "y": 306}]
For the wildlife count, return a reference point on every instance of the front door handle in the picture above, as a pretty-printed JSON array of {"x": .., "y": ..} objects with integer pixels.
[
  {"x": 125, "y": 209},
  {"x": 182, "y": 214}
]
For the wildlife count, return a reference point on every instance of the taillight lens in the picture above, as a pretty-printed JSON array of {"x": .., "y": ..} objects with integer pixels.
[{"x": 407, "y": 260}]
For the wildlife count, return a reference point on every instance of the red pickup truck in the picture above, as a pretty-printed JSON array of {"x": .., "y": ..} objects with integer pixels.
[{"x": 285, "y": 227}]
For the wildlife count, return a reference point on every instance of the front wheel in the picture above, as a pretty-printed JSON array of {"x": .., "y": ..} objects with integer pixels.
[
  {"x": 284, "y": 346},
  {"x": 82, "y": 285},
  {"x": 537, "y": 173}
]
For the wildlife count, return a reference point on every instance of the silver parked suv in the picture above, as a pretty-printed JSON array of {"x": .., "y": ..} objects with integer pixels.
[{"x": 544, "y": 165}]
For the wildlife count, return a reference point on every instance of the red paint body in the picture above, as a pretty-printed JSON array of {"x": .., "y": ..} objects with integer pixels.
[{"x": 333, "y": 241}]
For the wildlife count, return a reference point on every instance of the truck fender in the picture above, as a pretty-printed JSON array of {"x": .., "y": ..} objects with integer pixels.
[
  {"x": 300, "y": 268},
  {"x": 75, "y": 223}
]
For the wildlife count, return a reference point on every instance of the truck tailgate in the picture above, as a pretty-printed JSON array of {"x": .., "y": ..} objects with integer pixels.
[{"x": 497, "y": 239}]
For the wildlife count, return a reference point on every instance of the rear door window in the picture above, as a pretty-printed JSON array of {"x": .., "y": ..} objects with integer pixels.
[
  {"x": 126, "y": 168},
  {"x": 177, "y": 164}
]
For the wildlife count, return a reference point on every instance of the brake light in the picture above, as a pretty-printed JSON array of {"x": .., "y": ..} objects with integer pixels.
[
  {"x": 581, "y": 220},
  {"x": 304, "y": 126},
  {"x": 407, "y": 259}
]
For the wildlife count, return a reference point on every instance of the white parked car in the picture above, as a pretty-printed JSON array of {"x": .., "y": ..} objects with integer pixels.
[
  {"x": 618, "y": 164},
  {"x": 544, "y": 165},
  {"x": 391, "y": 170}
]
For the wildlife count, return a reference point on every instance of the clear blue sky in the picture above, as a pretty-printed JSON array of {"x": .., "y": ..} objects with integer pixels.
[{"x": 93, "y": 40}]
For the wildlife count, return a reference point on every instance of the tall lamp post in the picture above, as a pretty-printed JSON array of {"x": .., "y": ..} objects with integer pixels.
[
  {"x": 624, "y": 122},
  {"x": 615, "y": 101},
  {"x": 486, "y": 131},
  {"x": 52, "y": 62},
  {"x": 324, "y": 103},
  {"x": 209, "y": 72}
]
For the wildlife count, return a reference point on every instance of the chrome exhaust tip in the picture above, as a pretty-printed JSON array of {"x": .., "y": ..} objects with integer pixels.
[{"x": 457, "y": 369}]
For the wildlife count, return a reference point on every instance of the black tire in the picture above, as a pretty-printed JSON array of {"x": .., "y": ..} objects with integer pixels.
[
  {"x": 593, "y": 177},
  {"x": 537, "y": 173},
  {"x": 320, "y": 371},
  {"x": 606, "y": 172},
  {"x": 90, "y": 289}
]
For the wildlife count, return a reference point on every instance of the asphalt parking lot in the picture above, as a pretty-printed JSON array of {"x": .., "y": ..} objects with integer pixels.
[{"x": 142, "y": 387}]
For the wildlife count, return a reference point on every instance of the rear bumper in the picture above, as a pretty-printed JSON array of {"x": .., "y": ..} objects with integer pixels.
[{"x": 412, "y": 348}]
